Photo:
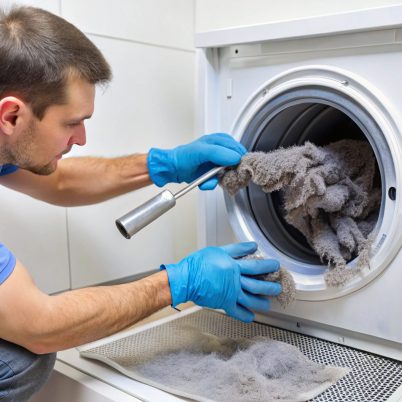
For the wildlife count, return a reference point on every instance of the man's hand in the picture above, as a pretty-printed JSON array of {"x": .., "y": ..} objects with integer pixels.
[
  {"x": 188, "y": 162},
  {"x": 214, "y": 277}
]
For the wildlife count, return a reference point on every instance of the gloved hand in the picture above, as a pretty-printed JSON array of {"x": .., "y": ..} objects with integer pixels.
[
  {"x": 213, "y": 277},
  {"x": 188, "y": 162}
]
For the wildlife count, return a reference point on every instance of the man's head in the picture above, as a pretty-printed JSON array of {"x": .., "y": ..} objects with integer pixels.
[{"x": 48, "y": 71}]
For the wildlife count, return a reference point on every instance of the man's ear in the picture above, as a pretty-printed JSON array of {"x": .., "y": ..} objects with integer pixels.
[{"x": 13, "y": 111}]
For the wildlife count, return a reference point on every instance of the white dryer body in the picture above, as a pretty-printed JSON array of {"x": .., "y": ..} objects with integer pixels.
[{"x": 322, "y": 80}]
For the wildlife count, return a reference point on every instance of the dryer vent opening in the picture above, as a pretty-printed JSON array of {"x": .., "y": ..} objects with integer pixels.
[{"x": 292, "y": 120}]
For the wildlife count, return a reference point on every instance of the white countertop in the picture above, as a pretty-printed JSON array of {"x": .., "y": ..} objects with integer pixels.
[{"x": 107, "y": 375}]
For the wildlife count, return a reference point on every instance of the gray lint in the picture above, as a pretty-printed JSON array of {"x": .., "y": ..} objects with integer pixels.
[
  {"x": 206, "y": 355},
  {"x": 328, "y": 196},
  {"x": 225, "y": 369},
  {"x": 283, "y": 277}
]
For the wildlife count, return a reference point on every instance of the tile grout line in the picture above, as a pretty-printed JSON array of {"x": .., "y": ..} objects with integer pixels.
[{"x": 140, "y": 42}]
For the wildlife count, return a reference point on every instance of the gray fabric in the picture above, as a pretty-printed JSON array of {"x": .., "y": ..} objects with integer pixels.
[
  {"x": 22, "y": 373},
  {"x": 328, "y": 196},
  {"x": 283, "y": 277},
  {"x": 287, "y": 282},
  {"x": 225, "y": 369}
]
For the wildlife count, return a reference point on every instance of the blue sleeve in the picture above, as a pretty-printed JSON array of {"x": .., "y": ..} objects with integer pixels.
[
  {"x": 7, "y": 263},
  {"x": 7, "y": 169}
]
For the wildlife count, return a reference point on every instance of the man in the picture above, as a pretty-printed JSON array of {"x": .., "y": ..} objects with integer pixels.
[{"x": 48, "y": 73}]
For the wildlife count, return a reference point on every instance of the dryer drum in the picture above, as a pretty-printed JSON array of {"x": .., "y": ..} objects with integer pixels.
[
  {"x": 314, "y": 113},
  {"x": 308, "y": 115}
]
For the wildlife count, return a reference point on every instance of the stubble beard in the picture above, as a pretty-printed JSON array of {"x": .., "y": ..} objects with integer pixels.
[{"x": 23, "y": 152}]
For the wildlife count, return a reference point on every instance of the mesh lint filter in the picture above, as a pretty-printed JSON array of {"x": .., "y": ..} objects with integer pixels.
[{"x": 207, "y": 356}]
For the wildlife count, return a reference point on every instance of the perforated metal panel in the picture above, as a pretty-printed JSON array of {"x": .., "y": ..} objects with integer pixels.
[{"x": 372, "y": 378}]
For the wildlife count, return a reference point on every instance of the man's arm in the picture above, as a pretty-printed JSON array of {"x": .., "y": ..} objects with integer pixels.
[
  {"x": 45, "y": 324},
  {"x": 213, "y": 277},
  {"x": 83, "y": 181}
]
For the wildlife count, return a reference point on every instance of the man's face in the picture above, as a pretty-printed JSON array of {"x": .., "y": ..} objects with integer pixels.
[{"x": 41, "y": 143}]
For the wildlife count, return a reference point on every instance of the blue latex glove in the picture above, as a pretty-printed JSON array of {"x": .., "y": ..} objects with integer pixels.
[
  {"x": 213, "y": 277},
  {"x": 188, "y": 162}
]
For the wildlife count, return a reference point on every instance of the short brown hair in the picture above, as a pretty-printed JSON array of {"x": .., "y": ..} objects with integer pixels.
[{"x": 39, "y": 51}]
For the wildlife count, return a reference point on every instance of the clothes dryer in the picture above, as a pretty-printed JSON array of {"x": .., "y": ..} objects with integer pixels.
[{"x": 320, "y": 79}]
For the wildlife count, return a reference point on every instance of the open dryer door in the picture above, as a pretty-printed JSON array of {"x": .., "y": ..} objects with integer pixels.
[{"x": 321, "y": 106}]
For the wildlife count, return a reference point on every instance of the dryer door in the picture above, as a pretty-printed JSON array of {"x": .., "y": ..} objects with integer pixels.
[{"x": 319, "y": 105}]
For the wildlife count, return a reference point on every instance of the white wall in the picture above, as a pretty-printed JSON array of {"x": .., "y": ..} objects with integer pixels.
[
  {"x": 218, "y": 14},
  {"x": 149, "y": 103},
  {"x": 50, "y": 5}
]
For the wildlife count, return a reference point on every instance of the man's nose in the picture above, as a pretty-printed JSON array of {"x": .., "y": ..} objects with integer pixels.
[{"x": 79, "y": 136}]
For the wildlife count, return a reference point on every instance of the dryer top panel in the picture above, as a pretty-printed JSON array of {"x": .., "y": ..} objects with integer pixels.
[{"x": 354, "y": 21}]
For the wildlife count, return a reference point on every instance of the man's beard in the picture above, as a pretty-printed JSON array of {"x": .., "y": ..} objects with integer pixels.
[
  {"x": 23, "y": 152},
  {"x": 43, "y": 170}
]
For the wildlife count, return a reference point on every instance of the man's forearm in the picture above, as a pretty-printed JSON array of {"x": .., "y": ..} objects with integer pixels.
[
  {"x": 83, "y": 181},
  {"x": 44, "y": 324},
  {"x": 84, "y": 315},
  {"x": 88, "y": 180}
]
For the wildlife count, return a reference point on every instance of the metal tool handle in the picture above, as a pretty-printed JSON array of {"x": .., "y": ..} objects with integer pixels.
[
  {"x": 213, "y": 172},
  {"x": 138, "y": 218}
]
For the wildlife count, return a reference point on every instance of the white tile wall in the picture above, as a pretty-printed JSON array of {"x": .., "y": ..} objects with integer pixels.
[
  {"x": 149, "y": 103},
  {"x": 50, "y": 5},
  {"x": 100, "y": 253},
  {"x": 158, "y": 22},
  {"x": 37, "y": 235}
]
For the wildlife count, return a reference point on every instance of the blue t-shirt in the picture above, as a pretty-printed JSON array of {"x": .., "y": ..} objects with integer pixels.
[
  {"x": 7, "y": 169},
  {"x": 7, "y": 259}
]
